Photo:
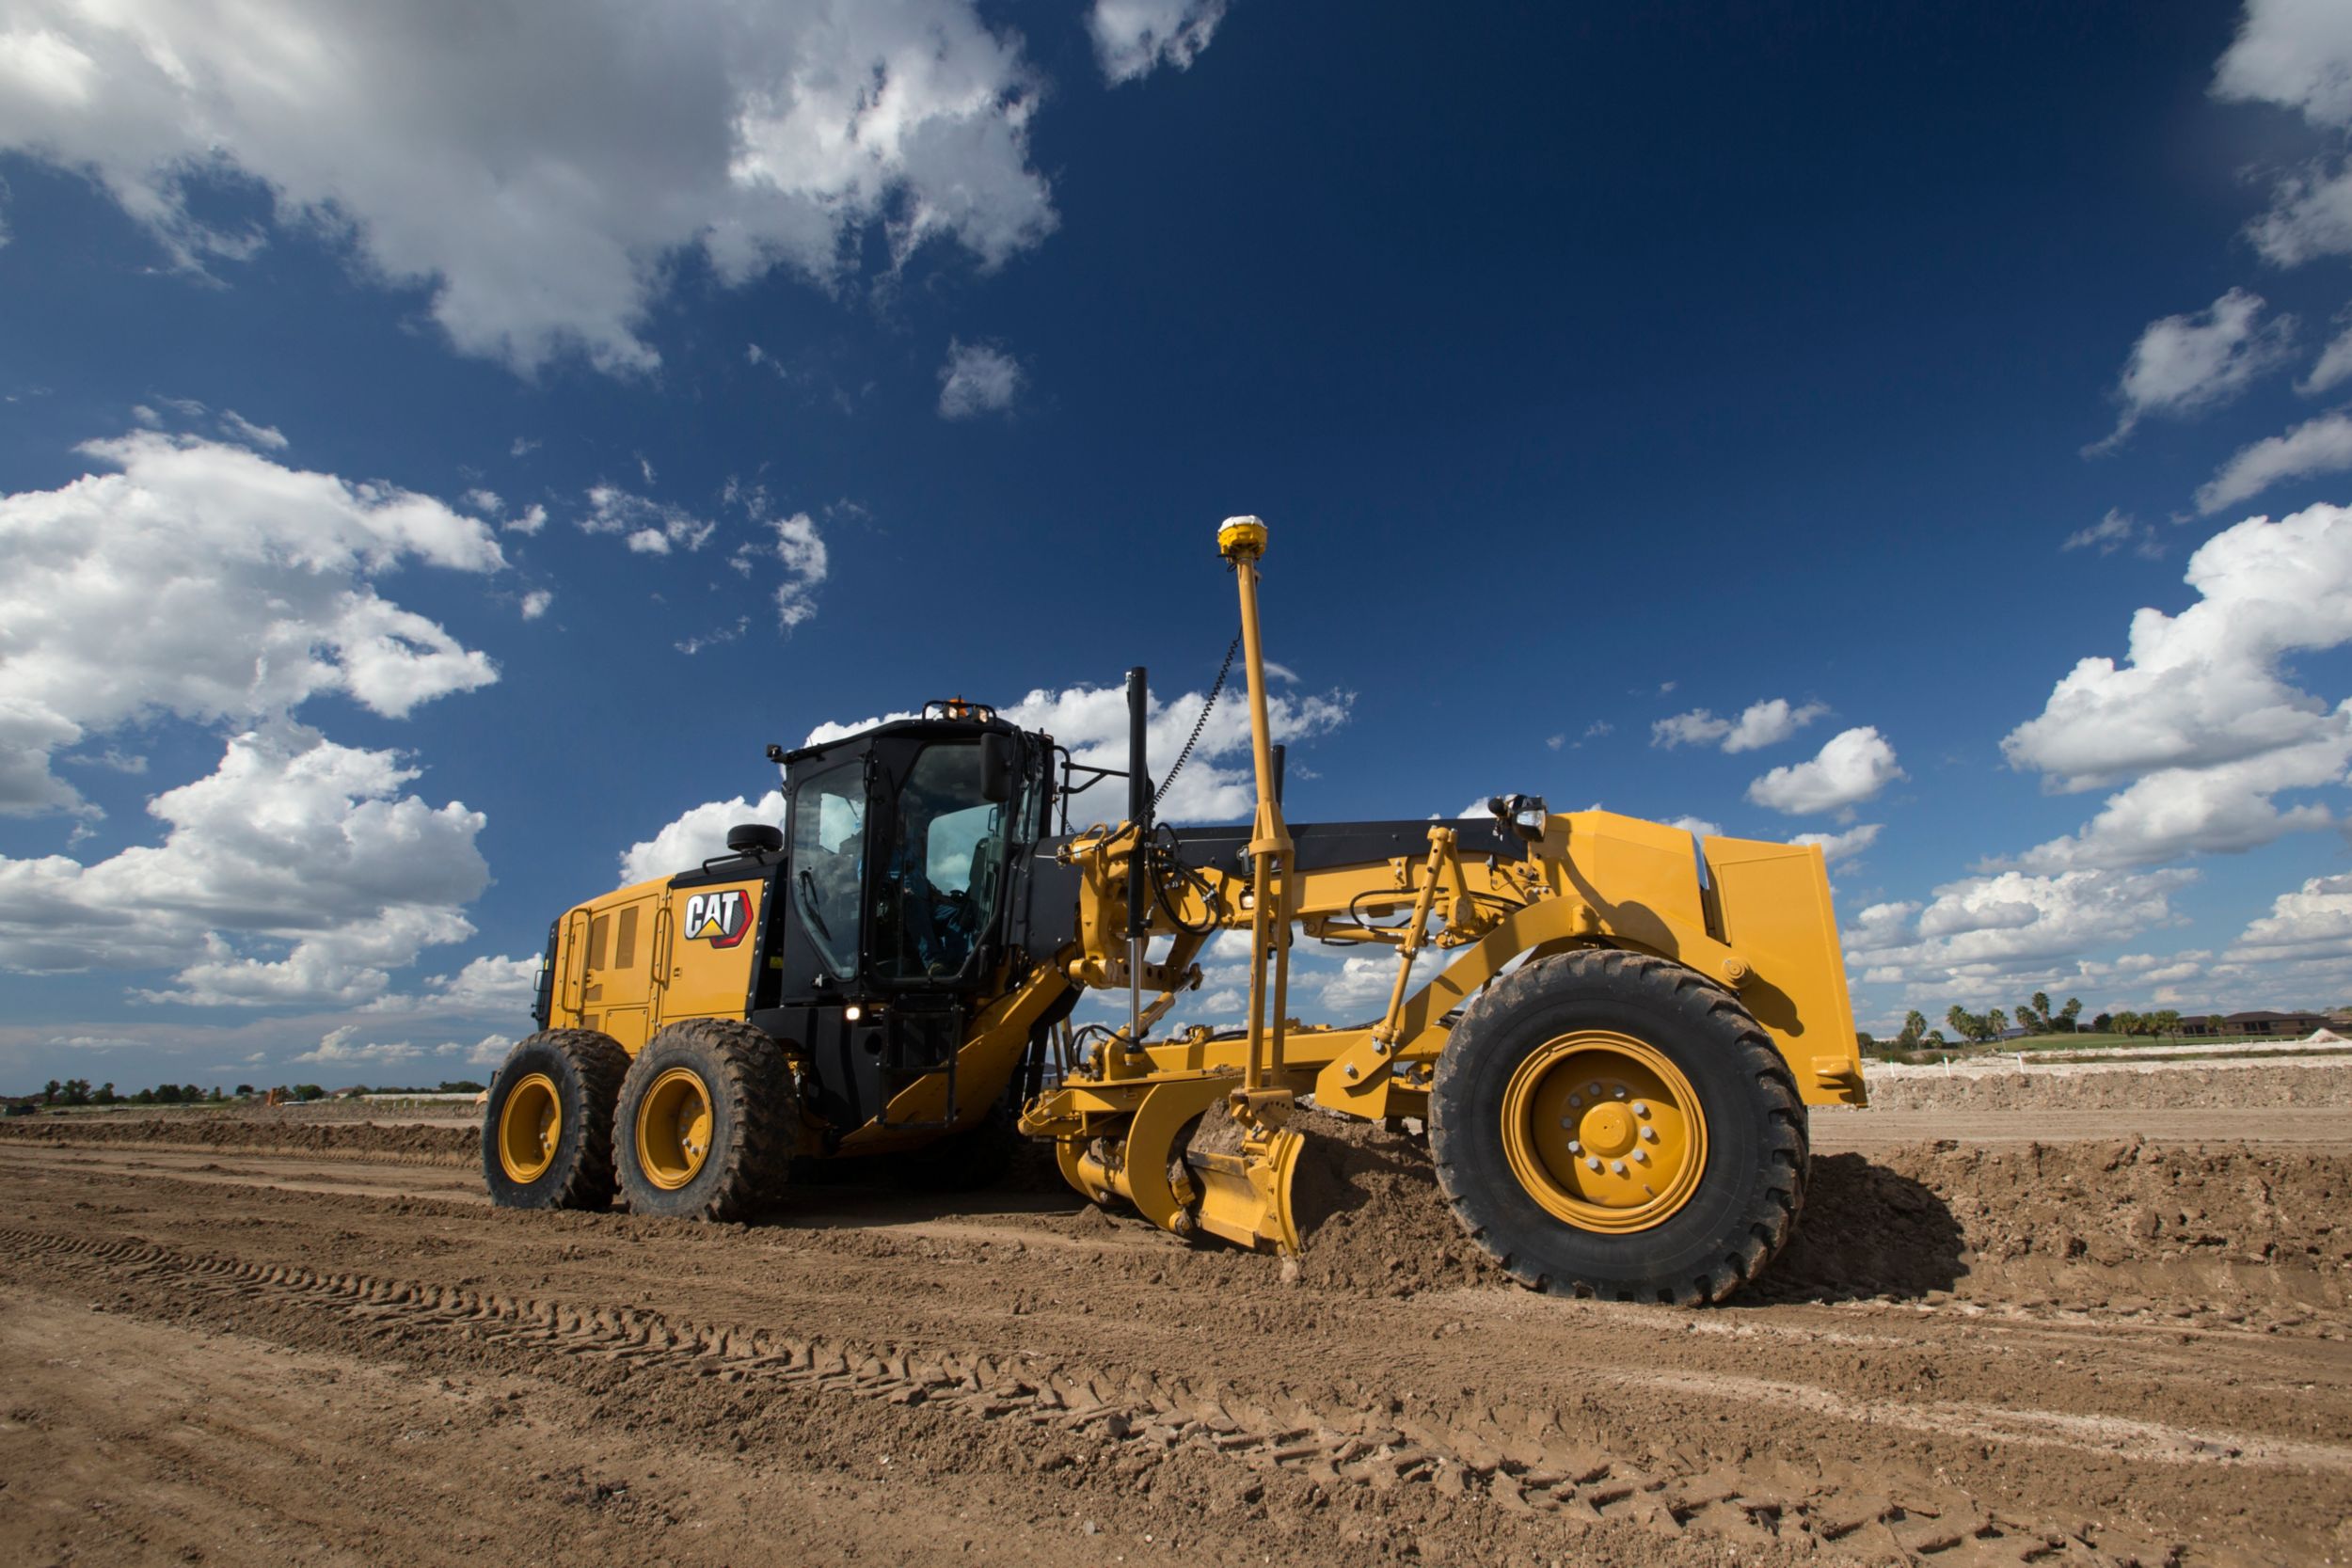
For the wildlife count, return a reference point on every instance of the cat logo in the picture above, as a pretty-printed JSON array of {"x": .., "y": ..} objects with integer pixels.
[{"x": 719, "y": 918}]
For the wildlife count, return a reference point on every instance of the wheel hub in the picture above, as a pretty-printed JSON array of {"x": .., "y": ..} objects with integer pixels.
[
  {"x": 530, "y": 1124},
  {"x": 1604, "y": 1132},
  {"x": 674, "y": 1129}
]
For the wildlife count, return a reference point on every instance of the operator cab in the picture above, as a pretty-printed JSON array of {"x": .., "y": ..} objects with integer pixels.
[{"x": 902, "y": 845}]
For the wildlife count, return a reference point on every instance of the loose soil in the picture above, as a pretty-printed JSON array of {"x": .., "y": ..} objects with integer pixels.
[{"x": 277, "y": 1341}]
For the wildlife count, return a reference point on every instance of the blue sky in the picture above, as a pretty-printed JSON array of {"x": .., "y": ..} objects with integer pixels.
[{"x": 432, "y": 467}]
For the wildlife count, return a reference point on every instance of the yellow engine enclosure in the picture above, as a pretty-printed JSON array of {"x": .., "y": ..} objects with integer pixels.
[{"x": 650, "y": 955}]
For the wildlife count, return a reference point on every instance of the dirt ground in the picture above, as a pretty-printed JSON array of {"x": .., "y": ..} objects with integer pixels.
[{"x": 2012, "y": 1337}]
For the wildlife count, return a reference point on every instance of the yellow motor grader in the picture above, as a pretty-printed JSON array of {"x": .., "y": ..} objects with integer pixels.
[{"x": 1610, "y": 1030}]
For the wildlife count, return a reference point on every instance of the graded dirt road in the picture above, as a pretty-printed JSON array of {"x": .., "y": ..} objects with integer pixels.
[{"x": 260, "y": 1343}]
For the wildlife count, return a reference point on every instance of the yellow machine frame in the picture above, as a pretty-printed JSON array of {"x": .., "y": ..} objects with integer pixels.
[{"x": 1125, "y": 1116}]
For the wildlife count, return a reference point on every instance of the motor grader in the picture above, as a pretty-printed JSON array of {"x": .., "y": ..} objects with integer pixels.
[{"x": 1608, "y": 1030}]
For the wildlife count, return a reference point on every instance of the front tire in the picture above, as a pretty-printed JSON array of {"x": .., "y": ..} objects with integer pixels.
[
  {"x": 707, "y": 1122},
  {"x": 546, "y": 1133},
  {"x": 1611, "y": 1124}
]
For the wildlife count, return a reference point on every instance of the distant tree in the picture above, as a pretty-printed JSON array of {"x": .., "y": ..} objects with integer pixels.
[
  {"x": 2103, "y": 1024},
  {"x": 52, "y": 1089},
  {"x": 76, "y": 1091},
  {"x": 1865, "y": 1043},
  {"x": 2213, "y": 1023},
  {"x": 1996, "y": 1025},
  {"x": 105, "y": 1094},
  {"x": 1915, "y": 1027},
  {"x": 244, "y": 1091},
  {"x": 1935, "y": 1037},
  {"x": 2068, "y": 1014},
  {"x": 308, "y": 1091},
  {"x": 461, "y": 1085},
  {"x": 2169, "y": 1023},
  {"x": 166, "y": 1094},
  {"x": 2034, "y": 1016}
]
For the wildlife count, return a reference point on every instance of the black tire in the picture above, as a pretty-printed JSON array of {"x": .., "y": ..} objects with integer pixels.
[
  {"x": 1749, "y": 1191},
  {"x": 978, "y": 1156},
  {"x": 753, "y": 1123},
  {"x": 580, "y": 1070}
]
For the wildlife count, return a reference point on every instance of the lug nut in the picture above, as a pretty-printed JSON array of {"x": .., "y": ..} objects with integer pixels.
[
  {"x": 1575, "y": 1147},
  {"x": 1593, "y": 1089},
  {"x": 1617, "y": 1167},
  {"x": 1640, "y": 1107},
  {"x": 1640, "y": 1156},
  {"x": 1619, "y": 1091},
  {"x": 1592, "y": 1162},
  {"x": 1574, "y": 1102},
  {"x": 1649, "y": 1135}
]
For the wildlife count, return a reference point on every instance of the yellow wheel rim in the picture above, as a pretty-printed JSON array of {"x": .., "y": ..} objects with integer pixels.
[
  {"x": 674, "y": 1129},
  {"x": 1604, "y": 1132},
  {"x": 529, "y": 1125}
]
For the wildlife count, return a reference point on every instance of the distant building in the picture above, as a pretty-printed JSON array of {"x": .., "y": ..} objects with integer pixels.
[{"x": 2285, "y": 1026}]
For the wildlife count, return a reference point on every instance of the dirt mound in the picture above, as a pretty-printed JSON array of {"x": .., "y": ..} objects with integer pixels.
[
  {"x": 2073, "y": 1224},
  {"x": 2154, "y": 1086},
  {"x": 1370, "y": 1215},
  {"x": 257, "y": 1135}
]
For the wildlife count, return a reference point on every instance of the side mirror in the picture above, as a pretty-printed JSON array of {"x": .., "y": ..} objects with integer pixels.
[{"x": 996, "y": 762}]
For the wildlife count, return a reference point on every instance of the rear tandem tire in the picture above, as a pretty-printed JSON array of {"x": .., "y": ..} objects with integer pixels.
[
  {"x": 546, "y": 1131},
  {"x": 1691, "y": 1165},
  {"x": 707, "y": 1122}
]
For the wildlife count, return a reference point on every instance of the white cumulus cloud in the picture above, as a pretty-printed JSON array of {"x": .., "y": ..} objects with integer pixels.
[
  {"x": 2298, "y": 55},
  {"x": 1845, "y": 846},
  {"x": 2312, "y": 922},
  {"x": 2184, "y": 364},
  {"x": 541, "y": 169},
  {"x": 227, "y": 587},
  {"x": 298, "y": 872},
  {"x": 695, "y": 835},
  {"x": 2334, "y": 364},
  {"x": 1854, "y": 766},
  {"x": 2320, "y": 445},
  {"x": 1996, "y": 930},
  {"x": 648, "y": 527},
  {"x": 2200, "y": 725},
  {"x": 978, "y": 378},
  {"x": 1133, "y": 37},
  {"x": 2113, "y": 531},
  {"x": 1760, "y": 724},
  {"x": 2204, "y": 687}
]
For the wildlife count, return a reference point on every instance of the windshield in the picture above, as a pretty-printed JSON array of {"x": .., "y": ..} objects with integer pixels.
[
  {"x": 828, "y": 856},
  {"x": 939, "y": 885}
]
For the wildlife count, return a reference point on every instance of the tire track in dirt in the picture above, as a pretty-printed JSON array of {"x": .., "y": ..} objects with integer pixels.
[{"x": 1524, "y": 1469}]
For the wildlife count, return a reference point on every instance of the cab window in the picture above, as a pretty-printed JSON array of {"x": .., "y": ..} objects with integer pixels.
[{"x": 939, "y": 883}]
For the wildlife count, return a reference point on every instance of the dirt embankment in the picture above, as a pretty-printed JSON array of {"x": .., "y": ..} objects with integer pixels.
[
  {"x": 253, "y": 1135},
  {"x": 2070, "y": 1223},
  {"x": 2272, "y": 1082}
]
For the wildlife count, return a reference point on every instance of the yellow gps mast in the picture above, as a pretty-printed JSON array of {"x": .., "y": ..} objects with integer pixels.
[{"x": 1242, "y": 541}]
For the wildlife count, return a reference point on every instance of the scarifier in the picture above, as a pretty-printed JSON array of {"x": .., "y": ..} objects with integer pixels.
[{"x": 1610, "y": 1030}]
